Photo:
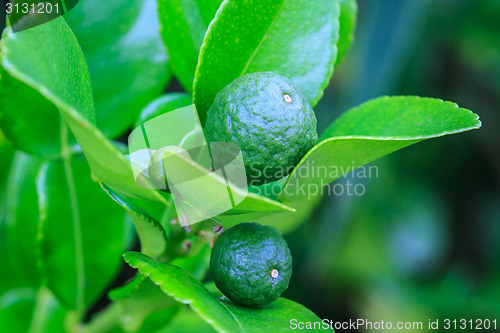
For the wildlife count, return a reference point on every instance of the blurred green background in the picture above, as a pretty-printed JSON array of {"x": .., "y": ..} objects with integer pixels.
[{"x": 423, "y": 242}]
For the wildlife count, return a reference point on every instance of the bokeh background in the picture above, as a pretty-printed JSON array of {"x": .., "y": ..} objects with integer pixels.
[{"x": 423, "y": 242}]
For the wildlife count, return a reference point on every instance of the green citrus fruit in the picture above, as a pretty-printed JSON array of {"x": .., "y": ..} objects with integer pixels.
[
  {"x": 156, "y": 168},
  {"x": 251, "y": 264},
  {"x": 269, "y": 118}
]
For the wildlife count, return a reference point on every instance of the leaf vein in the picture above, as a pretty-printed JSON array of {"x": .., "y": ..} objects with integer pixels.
[
  {"x": 254, "y": 53},
  {"x": 77, "y": 225}
]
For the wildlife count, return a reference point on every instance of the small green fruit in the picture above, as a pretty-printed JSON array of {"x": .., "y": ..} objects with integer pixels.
[
  {"x": 156, "y": 169},
  {"x": 251, "y": 264},
  {"x": 271, "y": 121}
]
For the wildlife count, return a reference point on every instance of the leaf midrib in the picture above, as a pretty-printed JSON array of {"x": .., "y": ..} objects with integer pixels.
[
  {"x": 234, "y": 317},
  {"x": 141, "y": 265},
  {"x": 75, "y": 210},
  {"x": 41, "y": 311},
  {"x": 257, "y": 49}
]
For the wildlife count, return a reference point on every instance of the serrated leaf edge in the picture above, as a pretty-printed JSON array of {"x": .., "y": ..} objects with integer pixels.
[{"x": 130, "y": 256}]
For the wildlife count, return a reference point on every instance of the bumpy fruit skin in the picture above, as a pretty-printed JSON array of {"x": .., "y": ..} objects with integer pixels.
[
  {"x": 269, "y": 118},
  {"x": 244, "y": 260}
]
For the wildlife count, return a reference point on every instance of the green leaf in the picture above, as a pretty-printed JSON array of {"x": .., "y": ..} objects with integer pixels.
[
  {"x": 128, "y": 63},
  {"x": 81, "y": 233},
  {"x": 279, "y": 315},
  {"x": 164, "y": 104},
  {"x": 347, "y": 20},
  {"x": 183, "y": 26},
  {"x": 11, "y": 270},
  {"x": 19, "y": 104},
  {"x": 128, "y": 289},
  {"x": 287, "y": 222},
  {"x": 21, "y": 220},
  {"x": 296, "y": 39},
  {"x": 188, "y": 322},
  {"x": 52, "y": 64},
  {"x": 372, "y": 130},
  {"x": 403, "y": 118},
  {"x": 6, "y": 156},
  {"x": 14, "y": 306},
  {"x": 143, "y": 305},
  {"x": 151, "y": 234},
  {"x": 257, "y": 203},
  {"x": 210, "y": 191},
  {"x": 26, "y": 310},
  {"x": 207, "y": 189},
  {"x": 23, "y": 104},
  {"x": 47, "y": 71},
  {"x": 224, "y": 316}
]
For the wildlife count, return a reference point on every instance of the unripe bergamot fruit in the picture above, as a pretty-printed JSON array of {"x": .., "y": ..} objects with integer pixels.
[
  {"x": 269, "y": 118},
  {"x": 251, "y": 264}
]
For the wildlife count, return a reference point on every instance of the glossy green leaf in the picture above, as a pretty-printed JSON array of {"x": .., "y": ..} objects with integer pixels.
[
  {"x": 51, "y": 65},
  {"x": 159, "y": 318},
  {"x": 143, "y": 306},
  {"x": 287, "y": 222},
  {"x": 211, "y": 190},
  {"x": 14, "y": 306},
  {"x": 6, "y": 156},
  {"x": 81, "y": 234},
  {"x": 224, "y": 316},
  {"x": 183, "y": 27},
  {"x": 282, "y": 315},
  {"x": 10, "y": 265},
  {"x": 69, "y": 90},
  {"x": 284, "y": 221},
  {"x": 164, "y": 104},
  {"x": 187, "y": 322},
  {"x": 21, "y": 220},
  {"x": 347, "y": 20},
  {"x": 19, "y": 103},
  {"x": 403, "y": 118},
  {"x": 297, "y": 39},
  {"x": 127, "y": 62},
  {"x": 256, "y": 203},
  {"x": 151, "y": 234},
  {"x": 372, "y": 130},
  {"x": 128, "y": 289},
  {"x": 31, "y": 311}
]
